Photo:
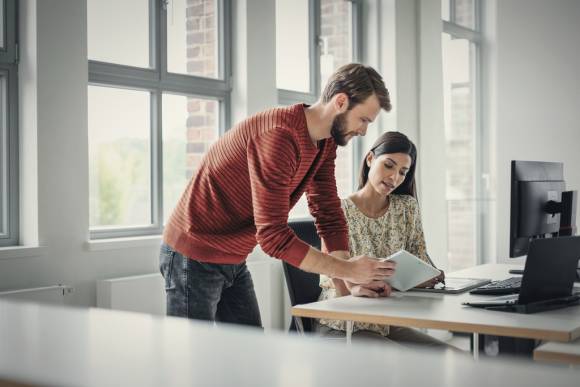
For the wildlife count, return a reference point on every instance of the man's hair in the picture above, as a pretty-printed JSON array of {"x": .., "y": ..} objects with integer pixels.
[{"x": 358, "y": 82}]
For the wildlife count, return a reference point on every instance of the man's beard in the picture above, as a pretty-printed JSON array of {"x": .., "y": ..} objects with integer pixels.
[{"x": 338, "y": 130}]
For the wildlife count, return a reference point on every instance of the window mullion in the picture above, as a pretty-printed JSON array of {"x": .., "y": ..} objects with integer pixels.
[
  {"x": 4, "y": 162},
  {"x": 225, "y": 57},
  {"x": 154, "y": 13},
  {"x": 452, "y": 11},
  {"x": 477, "y": 10},
  {"x": 9, "y": 145},
  {"x": 160, "y": 45},
  {"x": 156, "y": 159},
  {"x": 161, "y": 37},
  {"x": 193, "y": 85},
  {"x": 460, "y": 32},
  {"x": 314, "y": 46},
  {"x": 357, "y": 146},
  {"x": 289, "y": 97},
  {"x": 114, "y": 74},
  {"x": 8, "y": 53},
  {"x": 12, "y": 122},
  {"x": 357, "y": 45},
  {"x": 481, "y": 193}
]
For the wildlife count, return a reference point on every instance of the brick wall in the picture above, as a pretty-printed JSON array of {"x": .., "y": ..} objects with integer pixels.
[
  {"x": 335, "y": 27},
  {"x": 201, "y": 61}
]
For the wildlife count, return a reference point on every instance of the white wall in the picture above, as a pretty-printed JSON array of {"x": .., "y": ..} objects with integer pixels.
[
  {"x": 538, "y": 94},
  {"x": 254, "y": 58}
]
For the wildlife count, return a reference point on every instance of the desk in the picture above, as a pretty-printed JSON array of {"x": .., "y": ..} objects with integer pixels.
[
  {"x": 444, "y": 311},
  {"x": 567, "y": 353},
  {"x": 58, "y": 346}
]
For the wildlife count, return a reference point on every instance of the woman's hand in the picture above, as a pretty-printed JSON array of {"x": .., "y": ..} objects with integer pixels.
[
  {"x": 373, "y": 289},
  {"x": 433, "y": 281}
]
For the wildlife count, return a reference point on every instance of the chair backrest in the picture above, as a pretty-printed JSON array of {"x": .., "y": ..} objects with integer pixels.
[{"x": 303, "y": 287}]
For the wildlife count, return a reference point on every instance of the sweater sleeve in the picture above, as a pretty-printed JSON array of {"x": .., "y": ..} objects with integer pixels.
[
  {"x": 272, "y": 161},
  {"x": 324, "y": 205}
]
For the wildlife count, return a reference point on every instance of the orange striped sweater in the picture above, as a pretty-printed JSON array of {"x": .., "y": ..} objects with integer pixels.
[{"x": 247, "y": 183}]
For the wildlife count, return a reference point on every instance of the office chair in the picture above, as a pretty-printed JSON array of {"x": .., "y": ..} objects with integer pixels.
[{"x": 303, "y": 287}]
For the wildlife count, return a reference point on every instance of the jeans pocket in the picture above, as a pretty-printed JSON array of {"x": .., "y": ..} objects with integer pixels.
[{"x": 166, "y": 259}]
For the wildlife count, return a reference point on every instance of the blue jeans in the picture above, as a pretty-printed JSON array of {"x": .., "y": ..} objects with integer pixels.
[{"x": 208, "y": 291}]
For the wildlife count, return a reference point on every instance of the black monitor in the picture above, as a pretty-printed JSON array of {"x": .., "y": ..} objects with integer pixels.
[{"x": 540, "y": 205}]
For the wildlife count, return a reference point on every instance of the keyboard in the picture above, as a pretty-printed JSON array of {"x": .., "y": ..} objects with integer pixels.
[{"x": 506, "y": 286}]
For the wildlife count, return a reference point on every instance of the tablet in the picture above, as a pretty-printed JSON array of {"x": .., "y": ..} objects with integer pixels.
[
  {"x": 455, "y": 285},
  {"x": 410, "y": 271}
]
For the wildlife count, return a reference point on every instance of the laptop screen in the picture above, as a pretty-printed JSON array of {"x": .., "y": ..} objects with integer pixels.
[{"x": 550, "y": 269}]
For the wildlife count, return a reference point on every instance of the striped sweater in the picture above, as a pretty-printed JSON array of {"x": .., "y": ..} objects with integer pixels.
[{"x": 247, "y": 183}]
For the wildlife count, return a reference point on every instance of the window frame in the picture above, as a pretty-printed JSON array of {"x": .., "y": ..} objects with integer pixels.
[
  {"x": 9, "y": 145},
  {"x": 289, "y": 97},
  {"x": 157, "y": 80},
  {"x": 481, "y": 140}
]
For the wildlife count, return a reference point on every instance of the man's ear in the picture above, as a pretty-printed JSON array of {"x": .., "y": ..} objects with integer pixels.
[{"x": 341, "y": 102}]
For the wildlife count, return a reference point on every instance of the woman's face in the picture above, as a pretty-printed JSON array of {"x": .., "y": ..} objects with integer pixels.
[{"x": 387, "y": 171}]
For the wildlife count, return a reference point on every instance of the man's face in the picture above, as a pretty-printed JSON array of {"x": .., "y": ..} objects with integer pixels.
[
  {"x": 338, "y": 130},
  {"x": 355, "y": 121}
]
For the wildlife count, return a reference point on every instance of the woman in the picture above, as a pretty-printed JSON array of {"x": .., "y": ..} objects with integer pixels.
[{"x": 383, "y": 217}]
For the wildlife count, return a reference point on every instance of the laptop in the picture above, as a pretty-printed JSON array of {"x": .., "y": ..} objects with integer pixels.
[
  {"x": 548, "y": 278},
  {"x": 454, "y": 285}
]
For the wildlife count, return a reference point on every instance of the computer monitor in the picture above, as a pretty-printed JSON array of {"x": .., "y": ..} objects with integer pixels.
[{"x": 540, "y": 205}]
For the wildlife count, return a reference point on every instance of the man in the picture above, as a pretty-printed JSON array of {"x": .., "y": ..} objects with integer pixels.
[{"x": 243, "y": 190}]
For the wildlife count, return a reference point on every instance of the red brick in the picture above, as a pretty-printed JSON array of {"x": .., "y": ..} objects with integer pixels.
[{"x": 193, "y": 105}]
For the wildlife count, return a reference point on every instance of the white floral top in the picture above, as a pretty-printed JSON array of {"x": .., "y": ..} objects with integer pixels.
[{"x": 399, "y": 228}]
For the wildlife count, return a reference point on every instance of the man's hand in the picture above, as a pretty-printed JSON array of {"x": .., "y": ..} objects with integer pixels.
[
  {"x": 364, "y": 270},
  {"x": 374, "y": 289}
]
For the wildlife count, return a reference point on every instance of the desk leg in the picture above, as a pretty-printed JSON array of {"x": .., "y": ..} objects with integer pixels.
[
  {"x": 299, "y": 326},
  {"x": 476, "y": 346},
  {"x": 349, "y": 325}
]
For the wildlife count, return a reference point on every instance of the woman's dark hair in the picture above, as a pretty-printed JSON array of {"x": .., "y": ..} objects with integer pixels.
[{"x": 393, "y": 142}]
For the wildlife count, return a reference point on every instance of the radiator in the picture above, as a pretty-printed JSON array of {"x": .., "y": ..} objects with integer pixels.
[
  {"x": 267, "y": 276},
  {"x": 138, "y": 293},
  {"x": 57, "y": 294},
  {"x": 146, "y": 293}
]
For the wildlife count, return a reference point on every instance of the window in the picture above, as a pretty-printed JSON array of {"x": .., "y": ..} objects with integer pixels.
[
  {"x": 313, "y": 39},
  {"x": 461, "y": 51},
  {"x": 337, "y": 48},
  {"x": 8, "y": 125},
  {"x": 293, "y": 36},
  {"x": 158, "y": 97}
]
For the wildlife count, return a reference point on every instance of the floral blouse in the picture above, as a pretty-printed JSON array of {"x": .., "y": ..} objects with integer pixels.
[{"x": 399, "y": 228}]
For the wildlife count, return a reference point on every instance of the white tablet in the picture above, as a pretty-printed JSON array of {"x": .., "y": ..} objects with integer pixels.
[{"x": 410, "y": 271}]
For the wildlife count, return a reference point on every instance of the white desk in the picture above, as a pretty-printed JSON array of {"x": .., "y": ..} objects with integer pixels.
[
  {"x": 444, "y": 311},
  {"x": 44, "y": 345},
  {"x": 566, "y": 353}
]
